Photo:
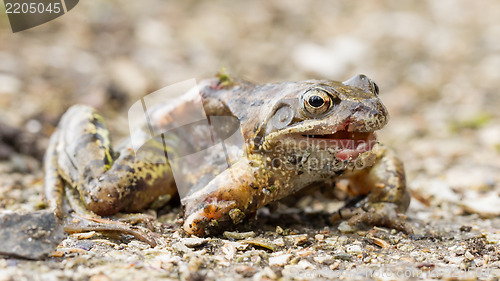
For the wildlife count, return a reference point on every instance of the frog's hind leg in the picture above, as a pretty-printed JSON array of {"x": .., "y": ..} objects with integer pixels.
[
  {"x": 53, "y": 183},
  {"x": 80, "y": 155},
  {"x": 109, "y": 182},
  {"x": 55, "y": 190},
  {"x": 384, "y": 196}
]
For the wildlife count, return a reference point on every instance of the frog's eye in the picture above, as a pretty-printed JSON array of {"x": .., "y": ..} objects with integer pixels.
[
  {"x": 363, "y": 82},
  {"x": 317, "y": 101}
]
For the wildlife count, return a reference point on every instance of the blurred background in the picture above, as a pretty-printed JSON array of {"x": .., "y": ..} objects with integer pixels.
[{"x": 437, "y": 64}]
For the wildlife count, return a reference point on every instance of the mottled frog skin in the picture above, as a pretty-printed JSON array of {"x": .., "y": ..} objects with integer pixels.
[{"x": 296, "y": 135}]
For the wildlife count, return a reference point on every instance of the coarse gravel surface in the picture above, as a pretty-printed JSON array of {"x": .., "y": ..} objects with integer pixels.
[{"x": 437, "y": 64}]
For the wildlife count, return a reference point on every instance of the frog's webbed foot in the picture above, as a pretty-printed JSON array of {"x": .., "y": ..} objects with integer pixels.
[
  {"x": 385, "y": 196},
  {"x": 379, "y": 214},
  {"x": 75, "y": 223},
  {"x": 79, "y": 219}
]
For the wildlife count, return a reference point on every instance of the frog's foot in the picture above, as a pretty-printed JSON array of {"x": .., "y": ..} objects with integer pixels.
[
  {"x": 76, "y": 218},
  {"x": 76, "y": 223},
  {"x": 135, "y": 218},
  {"x": 224, "y": 201},
  {"x": 211, "y": 218},
  {"x": 377, "y": 214}
]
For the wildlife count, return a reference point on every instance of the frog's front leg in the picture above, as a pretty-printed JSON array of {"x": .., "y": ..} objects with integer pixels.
[
  {"x": 386, "y": 198},
  {"x": 229, "y": 197}
]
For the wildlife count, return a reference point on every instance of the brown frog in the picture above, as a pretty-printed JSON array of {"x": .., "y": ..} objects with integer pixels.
[{"x": 295, "y": 135}]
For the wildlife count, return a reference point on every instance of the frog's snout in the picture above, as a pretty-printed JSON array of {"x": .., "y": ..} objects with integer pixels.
[{"x": 367, "y": 116}]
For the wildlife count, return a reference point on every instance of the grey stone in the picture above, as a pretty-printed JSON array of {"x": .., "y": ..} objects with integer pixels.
[{"x": 29, "y": 235}]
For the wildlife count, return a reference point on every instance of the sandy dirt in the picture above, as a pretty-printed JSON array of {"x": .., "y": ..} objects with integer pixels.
[{"x": 437, "y": 64}]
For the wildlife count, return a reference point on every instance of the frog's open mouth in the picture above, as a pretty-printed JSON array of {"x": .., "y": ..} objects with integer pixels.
[{"x": 349, "y": 144}]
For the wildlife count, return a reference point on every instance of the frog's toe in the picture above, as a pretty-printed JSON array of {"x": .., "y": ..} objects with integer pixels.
[
  {"x": 211, "y": 218},
  {"x": 379, "y": 214},
  {"x": 81, "y": 223},
  {"x": 343, "y": 214},
  {"x": 135, "y": 218},
  {"x": 383, "y": 214},
  {"x": 196, "y": 224}
]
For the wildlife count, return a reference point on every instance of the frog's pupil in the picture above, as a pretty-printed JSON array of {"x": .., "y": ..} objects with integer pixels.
[{"x": 316, "y": 101}]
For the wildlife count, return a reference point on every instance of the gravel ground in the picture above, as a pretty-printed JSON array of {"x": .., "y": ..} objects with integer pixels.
[{"x": 437, "y": 64}]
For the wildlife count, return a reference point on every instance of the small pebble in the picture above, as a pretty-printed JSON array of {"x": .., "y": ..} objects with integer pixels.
[
  {"x": 238, "y": 235},
  {"x": 245, "y": 270},
  {"x": 279, "y": 230},
  {"x": 465, "y": 228},
  {"x": 84, "y": 235},
  {"x": 324, "y": 260},
  {"x": 469, "y": 256},
  {"x": 297, "y": 240},
  {"x": 486, "y": 259},
  {"x": 345, "y": 227},
  {"x": 229, "y": 251},
  {"x": 331, "y": 241},
  {"x": 279, "y": 242},
  {"x": 379, "y": 242},
  {"x": 238, "y": 245},
  {"x": 304, "y": 264},
  {"x": 493, "y": 238},
  {"x": 486, "y": 205},
  {"x": 270, "y": 273},
  {"x": 256, "y": 259},
  {"x": 354, "y": 249},
  {"x": 181, "y": 248},
  {"x": 335, "y": 265},
  {"x": 305, "y": 252},
  {"x": 261, "y": 243},
  {"x": 342, "y": 256},
  {"x": 279, "y": 260},
  {"x": 342, "y": 240},
  {"x": 193, "y": 241}
]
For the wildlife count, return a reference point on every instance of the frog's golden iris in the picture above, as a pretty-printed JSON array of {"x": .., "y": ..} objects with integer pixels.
[{"x": 317, "y": 101}]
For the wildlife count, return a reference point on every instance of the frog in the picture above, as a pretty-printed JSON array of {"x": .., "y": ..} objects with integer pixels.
[{"x": 296, "y": 136}]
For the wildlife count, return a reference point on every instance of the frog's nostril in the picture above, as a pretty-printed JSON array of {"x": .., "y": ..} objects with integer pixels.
[{"x": 358, "y": 107}]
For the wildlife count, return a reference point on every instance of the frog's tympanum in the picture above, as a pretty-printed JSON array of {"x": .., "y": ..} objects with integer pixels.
[{"x": 296, "y": 135}]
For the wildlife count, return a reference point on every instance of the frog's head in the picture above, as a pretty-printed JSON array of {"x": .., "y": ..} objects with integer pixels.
[{"x": 329, "y": 115}]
